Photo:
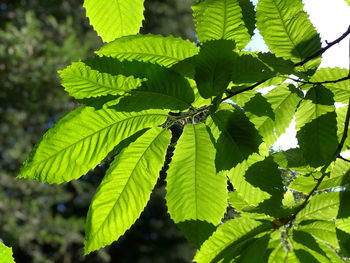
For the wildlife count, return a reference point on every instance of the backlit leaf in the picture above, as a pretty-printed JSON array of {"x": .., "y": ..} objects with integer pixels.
[
  {"x": 80, "y": 81},
  {"x": 252, "y": 195},
  {"x": 165, "y": 51},
  {"x": 81, "y": 140},
  {"x": 213, "y": 67},
  {"x": 235, "y": 136},
  {"x": 251, "y": 67},
  {"x": 220, "y": 19},
  {"x": 317, "y": 102},
  {"x": 191, "y": 176},
  {"x": 113, "y": 19},
  {"x": 318, "y": 139},
  {"x": 6, "y": 254},
  {"x": 321, "y": 230},
  {"x": 125, "y": 189},
  {"x": 286, "y": 29},
  {"x": 229, "y": 239},
  {"x": 321, "y": 207},
  {"x": 341, "y": 115},
  {"x": 284, "y": 100},
  {"x": 341, "y": 90}
]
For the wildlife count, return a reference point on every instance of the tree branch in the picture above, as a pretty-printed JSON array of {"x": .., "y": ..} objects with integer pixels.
[
  {"x": 243, "y": 90},
  {"x": 341, "y": 157},
  {"x": 322, "y": 50},
  {"x": 321, "y": 82}
]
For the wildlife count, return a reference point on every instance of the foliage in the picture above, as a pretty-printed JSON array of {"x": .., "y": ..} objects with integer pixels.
[
  {"x": 41, "y": 222},
  {"x": 133, "y": 95},
  {"x": 6, "y": 254}
]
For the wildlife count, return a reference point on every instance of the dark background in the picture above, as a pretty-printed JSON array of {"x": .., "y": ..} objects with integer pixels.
[{"x": 45, "y": 223}]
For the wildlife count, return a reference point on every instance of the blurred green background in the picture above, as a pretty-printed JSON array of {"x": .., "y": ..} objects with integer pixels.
[{"x": 45, "y": 223}]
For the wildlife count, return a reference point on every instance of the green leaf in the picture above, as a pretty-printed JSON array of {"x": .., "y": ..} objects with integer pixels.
[
  {"x": 260, "y": 113},
  {"x": 341, "y": 115},
  {"x": 6, "y": 254},
  {"x": 278, "y": 254},
  {"x": 255, "y": 250},
  {"x": 286, "y": 29},
  {"x": 162, "y": 88},
  {"x": 348, "y": 1},
  {"x": 222, "y": 19},
  {"x": 340, "y": 89},
  {"x": 306, "y": 240},
  {"x": 252, "y": 195},
  {"x": 80, "y": 81},
  {"x": 316, "y": 122},
  {"x": 213, "y": 67},
  {"x": 248, "y": 12},
  {"x": 238, "y": 202},
  {"x": 235, "y": 136},
  {"x": 288, "y": 199},
  {"x": 113, "y": 19},
  {"x": 190, "y": 178},
  {"x": 321, "y": 207},
  {"x": 125, "y": 189},
  {"x": 317, "y": 102},
  {"x": 284, "y": 100},
  {"x": 321, "y": 230},
  {"x": 165, "y": 51},
  {"x": 81, "y": 140},
  {"x": 294, "y": 159},
  {"x": 343, "y": 224},
  {"x": 266, "y": 176},
  {"x": 229, "y": 238},
  {"x": 251, "y": 67},
  {"x": 344, "y": 242},
  {"x": 291, "y": 257},
  {"x": 318, "y": 139},
  {"x": 339, "y": 176}
]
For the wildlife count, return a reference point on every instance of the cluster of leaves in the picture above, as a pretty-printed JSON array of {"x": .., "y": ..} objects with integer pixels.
[{"x": 139, "y": 88}]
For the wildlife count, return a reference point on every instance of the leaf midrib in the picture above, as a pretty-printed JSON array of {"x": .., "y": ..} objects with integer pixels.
[
  {"x": 127, "y": 182},
  {"x": 119, "y": 54},
  {"x": 285, "y": 28},
  {"x": 92, "y": 134},
  {"x": 96, "y": 83},
  {"x": 195, "y": 172}
]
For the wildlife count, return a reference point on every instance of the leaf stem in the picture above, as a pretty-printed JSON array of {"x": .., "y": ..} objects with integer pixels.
[{"x": 322, "y": 50}]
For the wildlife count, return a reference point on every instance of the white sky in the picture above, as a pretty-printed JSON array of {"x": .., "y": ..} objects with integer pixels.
[{"x": 331, "y": 19}]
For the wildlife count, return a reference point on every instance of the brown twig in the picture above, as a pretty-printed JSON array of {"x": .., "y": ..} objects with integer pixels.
[{"x": 322, "y": 50}]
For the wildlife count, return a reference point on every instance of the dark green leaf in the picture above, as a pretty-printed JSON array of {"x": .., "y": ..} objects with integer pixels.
[
  {"x": 235, "y": 136},
  {"x": 213, "y": 67}
]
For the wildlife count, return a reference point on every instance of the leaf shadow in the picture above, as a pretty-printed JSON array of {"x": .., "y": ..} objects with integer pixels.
[
  {"x": 196, "y": 231},
  {"x": 161, "y": 88}
]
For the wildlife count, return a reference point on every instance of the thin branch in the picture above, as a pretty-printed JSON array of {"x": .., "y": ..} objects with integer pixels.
[
  {"x": 341, "y": 157},
  {"x": 243, "y": 90},
  {"x": 320, "y": 82},
  {"x": 345, "y": 132},
  {"x": 322, "y": 50}
]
